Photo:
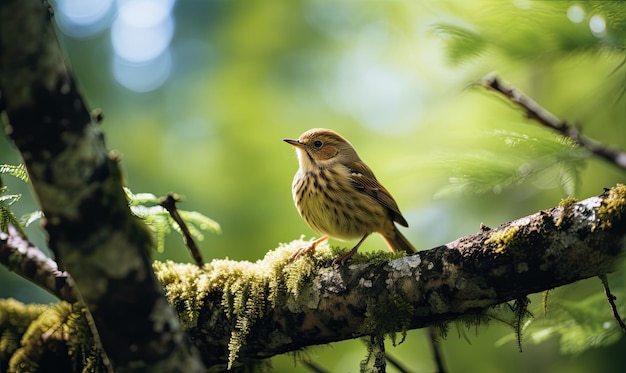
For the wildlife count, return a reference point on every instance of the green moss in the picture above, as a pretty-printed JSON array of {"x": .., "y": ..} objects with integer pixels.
[
  {"x": 15, "y": 317},
  {"x": 377, "y": 257},
  {"x": 248, "y": 289},
  {"x": 53, "y": 329},
  {"x": 567, "y": 202},
  {"x": 612, "y": 206},
  {"x": 378, "y": 321},
  {"x": 565, "y": 205},
  {"x": 503, "y": 238}
]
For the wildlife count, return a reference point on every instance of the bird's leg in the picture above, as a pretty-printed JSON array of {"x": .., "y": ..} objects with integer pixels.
[
  {"x": 305, "y": 250},
  {"x": 342, "y": 258}
]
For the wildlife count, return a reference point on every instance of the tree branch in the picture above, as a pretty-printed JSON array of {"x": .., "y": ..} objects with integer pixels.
[
  {"x": 256, "y": 310},
  {"x": 25, "y": 259},
  {"x": 79, "y": 185},
  {"x": 536, "y": 112}
]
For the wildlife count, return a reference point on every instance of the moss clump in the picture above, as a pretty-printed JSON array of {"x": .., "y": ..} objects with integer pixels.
[
  {"x": 503, "y": 239},
  {"x": 248, "y": 289},
  {"x": 15, "y": 317},
  {"x": 567, "y": 202},
  {"x": 31, "y": 334},
  {"x": 378, "y": 321},
  {"x": 612, "y": 206}
]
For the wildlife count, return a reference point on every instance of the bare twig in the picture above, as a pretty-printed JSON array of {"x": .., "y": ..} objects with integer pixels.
[
  {"x": 169, "y": 203},
  {"x": 313, "y": 366},
  {"x": 611, "y": 298},
  {"x": 536, "y": 112},
  {"x": 437, "y": 355},
  {"x": 27, "y": 260},
  {"x": 394, "y": 362}
]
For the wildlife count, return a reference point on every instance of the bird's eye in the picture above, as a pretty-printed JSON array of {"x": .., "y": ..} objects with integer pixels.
[{"x": 318, "y": 144}]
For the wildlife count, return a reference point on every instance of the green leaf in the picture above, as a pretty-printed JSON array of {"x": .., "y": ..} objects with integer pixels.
[
  {"x": 32, "y": 217},
  {"x": 146, "y": 206},
  {"x": 462, "y": 43},
  {"x": 18, "y": 171},
  {"x": 9, "y": 199},
  {"x": 506, "y": 158},
  {"x": 199, "y": 222},
  {"x": 140, "y": 198},
  {"x": 7, "y": 217},
  {"x": 579, "y": 325}
]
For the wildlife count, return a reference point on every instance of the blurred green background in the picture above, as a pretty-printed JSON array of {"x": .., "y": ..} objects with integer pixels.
[{"x": 197, "y": 96}]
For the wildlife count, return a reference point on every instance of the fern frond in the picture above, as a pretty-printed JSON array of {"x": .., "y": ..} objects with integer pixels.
[
  {"x": 18, "y": 171},
  {"x": 146, "y": 206}
]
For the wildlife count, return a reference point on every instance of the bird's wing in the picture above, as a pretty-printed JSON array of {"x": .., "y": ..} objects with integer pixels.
[{"x": 363, "y": 179}]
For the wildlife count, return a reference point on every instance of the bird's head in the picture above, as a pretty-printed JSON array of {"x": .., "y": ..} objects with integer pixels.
[{"x": 320, "y": 147}]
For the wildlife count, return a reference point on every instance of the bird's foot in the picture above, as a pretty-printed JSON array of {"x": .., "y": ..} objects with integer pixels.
[
  {"x": 342, "y": 258},
  {"x": 304, "y": 250}
]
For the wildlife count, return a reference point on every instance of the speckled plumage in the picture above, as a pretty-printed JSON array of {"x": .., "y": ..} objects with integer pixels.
[{"x": 337, "y": 194}]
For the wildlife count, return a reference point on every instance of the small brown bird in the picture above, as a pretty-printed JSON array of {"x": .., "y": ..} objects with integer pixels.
[{"x": 338, "y": 195}]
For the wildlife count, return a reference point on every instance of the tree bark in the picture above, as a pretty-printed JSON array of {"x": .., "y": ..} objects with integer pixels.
[{"x": 91, "y": 230}]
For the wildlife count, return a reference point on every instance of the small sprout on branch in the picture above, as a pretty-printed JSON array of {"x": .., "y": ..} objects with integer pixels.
[
  {"x": 148, "y": 207},
  {"x": 169, "y": 203}
]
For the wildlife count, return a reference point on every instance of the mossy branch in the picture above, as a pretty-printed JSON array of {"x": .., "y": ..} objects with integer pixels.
[{"x": 241, "y": 311}]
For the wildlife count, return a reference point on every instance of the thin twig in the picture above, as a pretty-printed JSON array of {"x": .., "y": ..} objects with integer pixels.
[
  {"x": 437, "y": 355},
  {"x": 28, "y": 261},
  {"x": 314, "y": 367},
  {"x": 397, "y": 364},
  {"x": 536, "y": 112},
  {"x": 169, "y": 203},
  {"x": 611, "y": 298}
]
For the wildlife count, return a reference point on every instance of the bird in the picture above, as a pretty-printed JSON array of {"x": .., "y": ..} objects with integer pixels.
[{"x": 338, "y": 196}]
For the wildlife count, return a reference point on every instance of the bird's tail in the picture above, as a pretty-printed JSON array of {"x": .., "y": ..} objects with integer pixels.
[{"x": 397, "y": 242}]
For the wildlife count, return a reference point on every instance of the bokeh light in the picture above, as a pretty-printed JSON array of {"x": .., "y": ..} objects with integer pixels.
[
  {"x": 575, "y": 13},
  {"x": 142, "y": 30},
  {"x": 143, "y": 76},
  {"x": 597, "y": 24},
  {"x": 140, "y": 33},
  {"x": 83, "y": 19}
]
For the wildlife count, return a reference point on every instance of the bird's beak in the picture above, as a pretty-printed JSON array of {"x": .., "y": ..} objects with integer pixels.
[{"x": 295, "y": 143}]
